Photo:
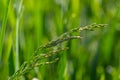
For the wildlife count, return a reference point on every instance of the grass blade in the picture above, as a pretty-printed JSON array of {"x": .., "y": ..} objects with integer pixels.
[
  {"x": 2, "y": 32},
  {"x": 17, "y": 36}
]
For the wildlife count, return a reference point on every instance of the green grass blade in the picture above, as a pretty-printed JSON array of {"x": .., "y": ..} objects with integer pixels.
[
  {"x": 17, "y": 35},
  {"x": 2, "y": 32}
]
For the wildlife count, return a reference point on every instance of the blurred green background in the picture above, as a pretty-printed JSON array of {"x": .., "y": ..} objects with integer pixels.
[{"x": 31, "y": 23}]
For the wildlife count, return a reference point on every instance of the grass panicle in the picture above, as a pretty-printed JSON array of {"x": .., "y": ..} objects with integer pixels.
[
  {"x": 66, "y": 36},
  {"x": 35, "y": 61}
]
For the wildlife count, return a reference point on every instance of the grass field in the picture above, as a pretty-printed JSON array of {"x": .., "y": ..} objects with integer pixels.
[{"x": 58, "y": 40}]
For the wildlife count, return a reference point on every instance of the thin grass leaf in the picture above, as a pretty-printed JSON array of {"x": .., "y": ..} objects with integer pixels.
[
  {"x": 2, "y": 32},
  {"x": 17, "y": 35}
]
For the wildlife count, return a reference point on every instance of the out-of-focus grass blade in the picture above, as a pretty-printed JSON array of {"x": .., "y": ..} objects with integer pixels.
[
  {"x": 62, "y": 67},
  {"x": 17, "y": 35},
  {"x": 2, "y": 32},
  {"x": 96, "y": 9},
  {"x": 74, "y": 18},
  {"x": 5, "y": 58}
]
